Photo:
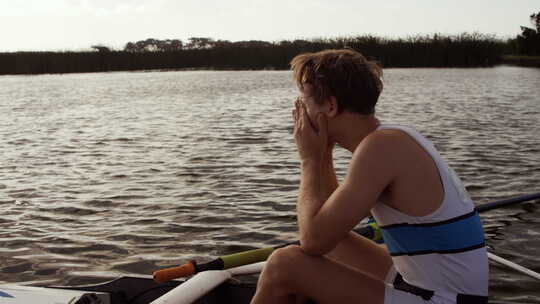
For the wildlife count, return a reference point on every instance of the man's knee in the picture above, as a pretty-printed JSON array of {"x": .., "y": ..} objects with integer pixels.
[
  {"x": 283, "y": 261},
  {"x": 286, "y": 255}
]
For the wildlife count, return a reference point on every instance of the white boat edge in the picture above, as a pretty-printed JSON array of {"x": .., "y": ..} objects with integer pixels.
[{"x": 20, "y": 294}]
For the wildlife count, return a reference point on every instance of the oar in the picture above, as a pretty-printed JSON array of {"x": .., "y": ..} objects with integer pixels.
[
  {"x": 203, "y": 282},
  {"x": 507, "y": 202},
  {"x": 370, "y": 231},
  {"x": 512, "y": 265},
  {"x": 252, "y": 256}
]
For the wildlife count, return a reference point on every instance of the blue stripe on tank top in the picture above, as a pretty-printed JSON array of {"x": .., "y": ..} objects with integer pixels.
[{"x": 459, "y": 234}]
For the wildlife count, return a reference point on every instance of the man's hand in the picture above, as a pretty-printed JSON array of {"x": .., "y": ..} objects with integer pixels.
[{"x": 312, "y": 144}]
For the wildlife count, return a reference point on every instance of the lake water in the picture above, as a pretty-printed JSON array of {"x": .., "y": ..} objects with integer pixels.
[{"x": 111, "y": 174}]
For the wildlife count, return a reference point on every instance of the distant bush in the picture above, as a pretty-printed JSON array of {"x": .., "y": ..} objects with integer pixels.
[{"x": 151, "y": 44}]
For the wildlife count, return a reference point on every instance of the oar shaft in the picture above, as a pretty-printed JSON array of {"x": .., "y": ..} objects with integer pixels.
[
  {"x": 194, "y": 288},
  {"x": 246, "y": 257},
  {"x": 517, "y": 267},
  {"x": 508, "y": 202}
]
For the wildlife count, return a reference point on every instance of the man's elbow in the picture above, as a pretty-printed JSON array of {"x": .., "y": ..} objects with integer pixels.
[{"x": 314, "y": 246}]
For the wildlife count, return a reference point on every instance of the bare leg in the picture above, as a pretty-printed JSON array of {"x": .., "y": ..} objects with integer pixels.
[{"x": 290, "y": 272}]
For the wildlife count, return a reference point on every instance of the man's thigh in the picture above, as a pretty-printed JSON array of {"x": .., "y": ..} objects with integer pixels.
[
  {"x": 364, "y": 255},
  {"x": 327, "y": 281}
]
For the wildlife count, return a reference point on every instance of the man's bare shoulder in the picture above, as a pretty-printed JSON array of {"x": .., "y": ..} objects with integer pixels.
[
  {"x": 383, "y": 144},
  {"x": 404, "y": 164},
  {"x": 377, "y": 157},
  {"x": 387, "y": 152}
]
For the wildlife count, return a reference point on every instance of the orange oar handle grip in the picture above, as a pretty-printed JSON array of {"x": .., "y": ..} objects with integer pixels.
[{"x": 168, "y": 274}]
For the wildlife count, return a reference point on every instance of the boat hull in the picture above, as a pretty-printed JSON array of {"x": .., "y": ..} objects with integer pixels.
[{"x": 136, "y": 290}]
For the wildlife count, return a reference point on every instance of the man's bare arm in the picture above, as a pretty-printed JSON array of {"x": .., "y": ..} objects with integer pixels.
[
  {"x": 323, "y": 224},
  {"x": 329, "y": 181},
  {"x": 318, "y": 181}
]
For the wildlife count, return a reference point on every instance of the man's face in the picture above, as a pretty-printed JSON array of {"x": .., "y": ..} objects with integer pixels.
[{"x": 312, "y": 107}]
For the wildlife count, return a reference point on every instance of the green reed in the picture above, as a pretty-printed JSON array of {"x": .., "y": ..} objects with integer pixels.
[{"x": 463, "y": 50}]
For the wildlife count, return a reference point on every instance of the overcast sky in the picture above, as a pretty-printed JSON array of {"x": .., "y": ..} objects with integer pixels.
[{"x": 78, "y": 24}]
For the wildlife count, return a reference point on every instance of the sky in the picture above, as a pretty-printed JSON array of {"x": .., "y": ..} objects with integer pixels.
[{"x": 57, "y": 25}]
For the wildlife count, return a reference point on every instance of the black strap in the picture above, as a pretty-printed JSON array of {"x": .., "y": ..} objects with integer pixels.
[
  {"x": 400, "y": 284},
  {"x": 471, "y": 299},
  {"x": 427, "y": 294}
]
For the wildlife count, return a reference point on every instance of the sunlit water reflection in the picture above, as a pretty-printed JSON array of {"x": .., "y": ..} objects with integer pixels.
[{"x": 111, "y": 174}]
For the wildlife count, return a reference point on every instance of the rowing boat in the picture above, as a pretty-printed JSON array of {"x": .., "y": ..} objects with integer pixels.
[
  {"x": 124, "y": 290},
  {"x": 133, "y": 290}
]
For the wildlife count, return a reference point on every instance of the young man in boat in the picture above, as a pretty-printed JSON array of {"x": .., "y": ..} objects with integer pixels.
[{"x": 434, "y": 248}]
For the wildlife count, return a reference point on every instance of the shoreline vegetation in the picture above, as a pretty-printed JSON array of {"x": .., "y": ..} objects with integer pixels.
[
  {"x": 463, "y": 50},
  {"x": 521, "y": 60}
]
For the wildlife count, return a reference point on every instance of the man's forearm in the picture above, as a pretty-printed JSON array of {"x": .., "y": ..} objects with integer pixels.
[
  {"x": 329, "y": 182},
  {"x": 317, "y": 182},
  {"x": 310, "y": 197}
]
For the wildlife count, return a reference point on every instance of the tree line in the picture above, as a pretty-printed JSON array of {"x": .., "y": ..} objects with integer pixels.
[
  {"x": 462, "y": 50},
  {"x": 167, "y": 45},
  {"x": 436, "y": 50}
]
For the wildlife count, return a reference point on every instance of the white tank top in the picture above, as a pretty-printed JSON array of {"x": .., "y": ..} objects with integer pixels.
[{"x": 445, "y": 250}]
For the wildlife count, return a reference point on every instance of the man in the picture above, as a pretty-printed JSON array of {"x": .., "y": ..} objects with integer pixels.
[{"x": 434, "y": 249}]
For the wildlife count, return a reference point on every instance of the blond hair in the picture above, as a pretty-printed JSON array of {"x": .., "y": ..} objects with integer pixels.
[{"x": 346, "y": 74}]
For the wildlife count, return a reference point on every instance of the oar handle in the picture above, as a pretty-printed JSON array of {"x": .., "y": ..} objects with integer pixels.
[{"x": 168, "y": 274}]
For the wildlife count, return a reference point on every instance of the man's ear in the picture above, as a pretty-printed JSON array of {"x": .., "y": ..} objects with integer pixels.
[{"x": 332, "y": 107}]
